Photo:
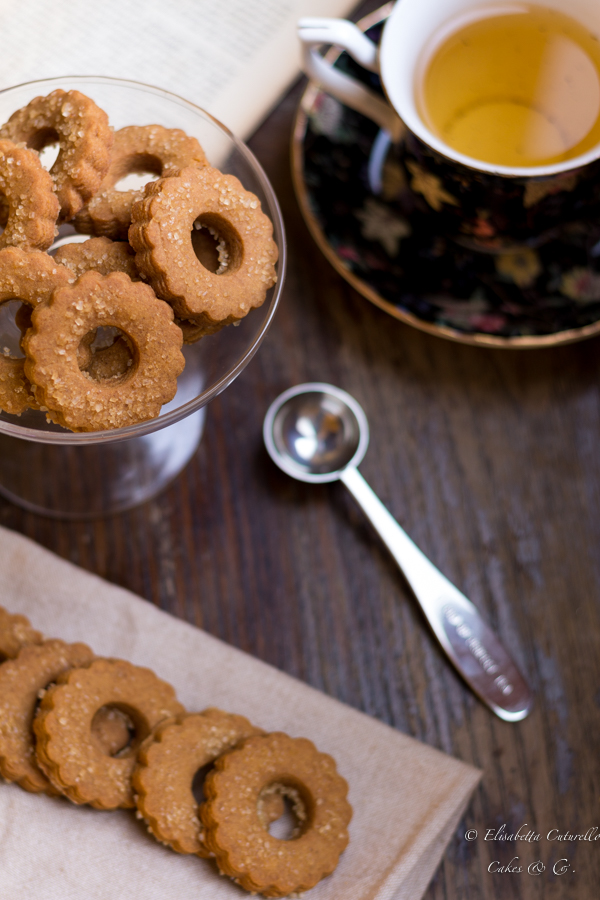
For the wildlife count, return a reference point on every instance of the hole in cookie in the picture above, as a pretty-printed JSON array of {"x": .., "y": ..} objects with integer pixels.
[
  {"x": 70, "y": 238},
  {"x": 4, "y": 211},
  {"x": 45, "y": 142},
  {"x": 49, "y": 154},
  {"x": 217, "y": 244},
  {"x": 104, "y": 337},
  {"x": 113, "y": 730},
  {"x": 106, "y": 354},
  {"x": 137, "y": 171},
  {"x": 283, "y": 811},
  {"x": 134, "y": 181},
  {"x": 15, "y": 319},
  {"x": 205, "y": 248},
  {"x": 43, "y": 137},
  {"x": 198, "y": 783},
  {"x": 109, "y": 727}
]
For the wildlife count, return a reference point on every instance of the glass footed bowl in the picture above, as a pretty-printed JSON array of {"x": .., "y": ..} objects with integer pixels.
[{"x": 50, "y": 470}]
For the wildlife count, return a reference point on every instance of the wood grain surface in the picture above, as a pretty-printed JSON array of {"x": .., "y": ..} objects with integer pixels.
[{"x": 490, "y": 459}]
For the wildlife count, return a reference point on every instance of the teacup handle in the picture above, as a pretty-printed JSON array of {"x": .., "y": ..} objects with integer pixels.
[{"x": 313, "y": 33}]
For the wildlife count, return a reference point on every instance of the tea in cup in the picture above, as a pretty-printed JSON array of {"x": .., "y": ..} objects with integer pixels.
[{"x": 516, "y": 88}]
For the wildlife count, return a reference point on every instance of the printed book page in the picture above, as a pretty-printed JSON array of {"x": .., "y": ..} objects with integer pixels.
[{"x": 234, "y": 58}]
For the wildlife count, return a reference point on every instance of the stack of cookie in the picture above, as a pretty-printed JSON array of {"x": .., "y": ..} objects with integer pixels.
[
  {"x": 195, "y": 235},
  {"x": 109, "y": 734}
]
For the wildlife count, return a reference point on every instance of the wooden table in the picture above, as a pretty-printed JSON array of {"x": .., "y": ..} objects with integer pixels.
[{"x": 490, "y": 460}]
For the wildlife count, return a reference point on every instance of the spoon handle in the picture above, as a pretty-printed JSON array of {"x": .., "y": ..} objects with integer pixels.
[{"x": 471, "y": 645}]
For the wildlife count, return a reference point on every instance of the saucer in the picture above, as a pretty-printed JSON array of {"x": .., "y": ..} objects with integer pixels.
[{"x": 377, "y": 227}]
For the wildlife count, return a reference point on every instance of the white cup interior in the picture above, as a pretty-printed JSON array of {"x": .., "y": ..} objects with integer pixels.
[{"x": 416, "y": 27}]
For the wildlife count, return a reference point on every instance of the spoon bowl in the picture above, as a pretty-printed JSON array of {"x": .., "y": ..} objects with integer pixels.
[{"x": 314, "y": 431}]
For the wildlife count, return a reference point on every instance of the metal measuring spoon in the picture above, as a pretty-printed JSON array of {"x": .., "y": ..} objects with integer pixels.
[{"x": 318, "y": 433}]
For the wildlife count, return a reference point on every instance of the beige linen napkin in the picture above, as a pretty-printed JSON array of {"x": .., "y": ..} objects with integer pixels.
[{"x": 407, "y": 797}]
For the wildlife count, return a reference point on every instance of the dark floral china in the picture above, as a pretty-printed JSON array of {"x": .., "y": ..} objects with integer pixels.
[
  {"x": 378, "y": 217},
  {"x": 497, "y": 212}
]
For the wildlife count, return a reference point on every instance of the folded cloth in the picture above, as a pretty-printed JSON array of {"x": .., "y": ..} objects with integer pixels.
[{"x": 407, "y": 797}]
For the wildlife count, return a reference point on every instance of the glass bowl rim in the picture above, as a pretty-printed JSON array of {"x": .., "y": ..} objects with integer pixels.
[{"x": 181, "y": 412}]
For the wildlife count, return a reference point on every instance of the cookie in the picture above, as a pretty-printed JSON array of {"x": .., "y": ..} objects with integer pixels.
[
  {"x": 29, "y": 276},
  {"x": 21, "y": 681},
  {"x": 73, "y": 397},
  {"x": 31, "y": 208},
  {"x": 167, "y": 763},
  {"x": 15, "y": 632},
  {"x": 100, "y": 255},
  {"x": 67, "y": 748},
  {"x": 236, "y": 834},
  {"x": 137, "y": 149},
  {"x": 84, "y": 138},
  {"x": 161, "y": 235}
]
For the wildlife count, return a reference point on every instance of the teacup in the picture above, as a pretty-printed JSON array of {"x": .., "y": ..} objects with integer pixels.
[{"x": 485, "y": 205}]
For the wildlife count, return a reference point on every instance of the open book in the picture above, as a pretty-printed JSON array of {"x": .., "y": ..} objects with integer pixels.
[{"x": 234, "y": 58}]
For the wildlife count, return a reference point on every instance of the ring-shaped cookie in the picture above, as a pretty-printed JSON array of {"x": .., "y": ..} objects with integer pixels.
[
  {"x": 98, "y": 254},
  {"x": 31, "y": 207},
  {"x": 84, "y": 138},
  {"x": 73, "y": 398},
  {"x": 138, "y": 149},
  {"x": 15, "y": 632},
  {"x": 21, "y": 681},
  {"x": 67, "y": 749},
  {"x": 161, "y": 235},
  {"x": 235, "y": 833},
  {"x": 192, "y": 331},
  {"x": 168, "y": 761},
  {"x": 29, "y": 276}
]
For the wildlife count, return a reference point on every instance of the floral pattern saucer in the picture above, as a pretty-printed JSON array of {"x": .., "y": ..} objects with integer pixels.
[{"x": 374, "y": 218}]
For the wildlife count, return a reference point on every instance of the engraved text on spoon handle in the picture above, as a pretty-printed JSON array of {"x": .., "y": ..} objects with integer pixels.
[{"x": 468, "y": 641}]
